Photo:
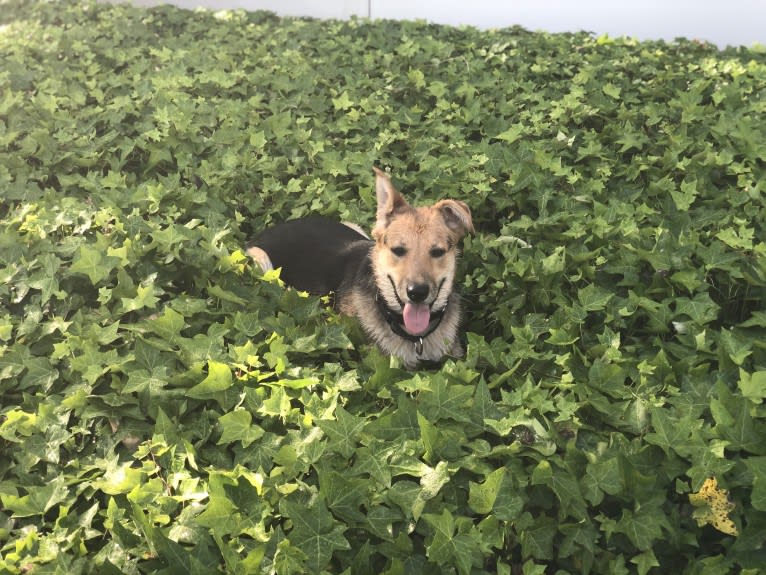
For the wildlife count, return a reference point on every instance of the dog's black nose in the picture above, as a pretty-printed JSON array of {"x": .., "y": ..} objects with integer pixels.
[{"x": 417, "y": 292}]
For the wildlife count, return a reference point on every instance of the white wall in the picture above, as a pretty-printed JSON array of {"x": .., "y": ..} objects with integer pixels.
[
  {"x": 719, "y": 21},
  {"x": 723, "y": 22},
  {"x": 318, "y": 9}
]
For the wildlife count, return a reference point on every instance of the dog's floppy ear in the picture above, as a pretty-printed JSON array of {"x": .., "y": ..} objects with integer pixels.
[
  {"x": 390, "y": 201},
  {"x": 457, "y": 216}
]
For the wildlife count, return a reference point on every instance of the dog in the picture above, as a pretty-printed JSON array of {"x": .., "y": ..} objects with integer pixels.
[{"x": 399, "y": 283}]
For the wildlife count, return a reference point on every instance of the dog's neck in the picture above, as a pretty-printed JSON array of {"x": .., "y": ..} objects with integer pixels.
[{"x": 395, "y": 321}]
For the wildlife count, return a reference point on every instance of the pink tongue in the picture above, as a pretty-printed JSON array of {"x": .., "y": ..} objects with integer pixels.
[{"x": 416, "y": 318}]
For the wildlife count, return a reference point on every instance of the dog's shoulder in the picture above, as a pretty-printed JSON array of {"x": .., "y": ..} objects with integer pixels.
[
  {"x": 324, "y": 234},
  {"x": 315, "y": 252}
]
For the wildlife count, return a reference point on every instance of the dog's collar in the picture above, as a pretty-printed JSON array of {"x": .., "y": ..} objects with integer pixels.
[{"x": 395, "y": 321}]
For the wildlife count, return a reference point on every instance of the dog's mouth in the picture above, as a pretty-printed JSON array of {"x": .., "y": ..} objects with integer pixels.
[{"x": 416, "y": 317}]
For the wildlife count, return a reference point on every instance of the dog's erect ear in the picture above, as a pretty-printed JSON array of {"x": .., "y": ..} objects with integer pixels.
[
  {"x": 390, "y": 201},
  {"x": 457, "y": 216}
]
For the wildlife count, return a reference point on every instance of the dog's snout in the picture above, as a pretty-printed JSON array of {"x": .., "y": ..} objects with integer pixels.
[{"x": 417, "y": 292}]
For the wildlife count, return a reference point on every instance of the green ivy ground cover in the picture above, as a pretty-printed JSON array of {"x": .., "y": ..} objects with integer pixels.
[{"x": 164, "y": 409}]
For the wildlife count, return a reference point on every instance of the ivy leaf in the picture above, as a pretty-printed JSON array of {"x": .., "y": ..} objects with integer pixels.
[
  {"x": 671, "y": 434},
  {"x": 482, "y": 497},
  {"x": 47, "y": 278},
  {"x": 757, "y": 466},
  {"x": 537, "y": 538},
  {"x": 221, "y": 515},
  {"x": 146, "y": 297},
  {"x": 702, "y": 309},
  {"x": 643, "y": 527},
  {"x": 713, "y": 507},
  {"x": 277, "y": 405},
  {"x": 207, "y": 418},
  {"x": 374, "y": 461},
  {"x": 446, "y": 545},
  {"x": 644, "y": 561},
  {"x": 684, "y": 198},
  {"x": 447, "y": 401},
  {"x": 593, "y": 298},
  {"x": 345, "y": 496},
  {"x": 343, "y": 432},
  {"x": 315, "y": 532},
  {"x": 168, "y": 325},
  {"x": 93, "y": 263},
  {"x": 753, "y": 385},
  {"x": 142, "y": 380},
  {"x": 238, "y": 426},
  {"x": 14, "y": 361},
  {"x": 430, "y": 437},
  {"x": 611, "y": 90},
  {"x": 38, "y": 500},
  {"x": 511, "y": 134},
  {"x": 737, "y": 348},
  {"x": 342, "y": 102},
  {"x": 40, "y": 374},
  {"x": 741, "y": 238},
  {"x": 602, "y": 476},
  {"x": 431, "y": 483},
  {"x": 218, "y": 379},
  {"x": 119, "y": 479},
  {"x": 735, "y": 423},
  {"x": 564, "y": 485}
]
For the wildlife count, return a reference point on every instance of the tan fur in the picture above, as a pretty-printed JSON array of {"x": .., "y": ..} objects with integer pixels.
[{"x": 261, "y": 258}]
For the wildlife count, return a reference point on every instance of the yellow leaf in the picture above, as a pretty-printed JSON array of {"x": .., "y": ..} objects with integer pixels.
[{"x": 713, "y": 507}]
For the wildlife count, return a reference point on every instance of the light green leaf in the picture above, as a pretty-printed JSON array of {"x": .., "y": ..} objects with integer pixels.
[
  {"x": 686, "y": 196},
  {"x": 593, "y": 298},
  {"x": 645, "y": 561},
  {"x": 142, "y": 380},
  {"x": 119, "y": 479},
  {"x": 93, "y": 263},
  {"x": 218, "y": 379},
  {"x": 221, "y": 515},
  {"x": 168, "y": 325},
  {"x": 737, "y": 239},
  {"x": 753, "y": 385},
  {"x": 736, "y": 346},
  {"x": 238, "y": 426},
  {"x": 277, "y": 405},
  {"x": 145, "y": 298},
  {"x": 482, "y": 497},
  {"x": 429, "y": 435},
  {"x": 342, "y": 102},
  {"x": 39, "y": 498},
  {"x": 611, "y": 90},
  {"x": 511, "y": 134},
  {"x": 431, "y": 483}
]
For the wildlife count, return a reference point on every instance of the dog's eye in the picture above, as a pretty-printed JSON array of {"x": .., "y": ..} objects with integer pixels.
[
  {"x": 399, "y": 251},
  {"x": 437, "y": 252}
]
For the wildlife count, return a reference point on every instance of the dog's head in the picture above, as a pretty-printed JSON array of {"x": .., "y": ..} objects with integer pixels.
[{"x": 416, "y": 252}]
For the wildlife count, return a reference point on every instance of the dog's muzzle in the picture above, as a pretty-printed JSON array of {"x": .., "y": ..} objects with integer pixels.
[{"x": 415, "y": 320}]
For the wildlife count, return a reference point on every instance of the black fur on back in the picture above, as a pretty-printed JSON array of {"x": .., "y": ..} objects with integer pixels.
[{"x": 315, "y": 253}]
